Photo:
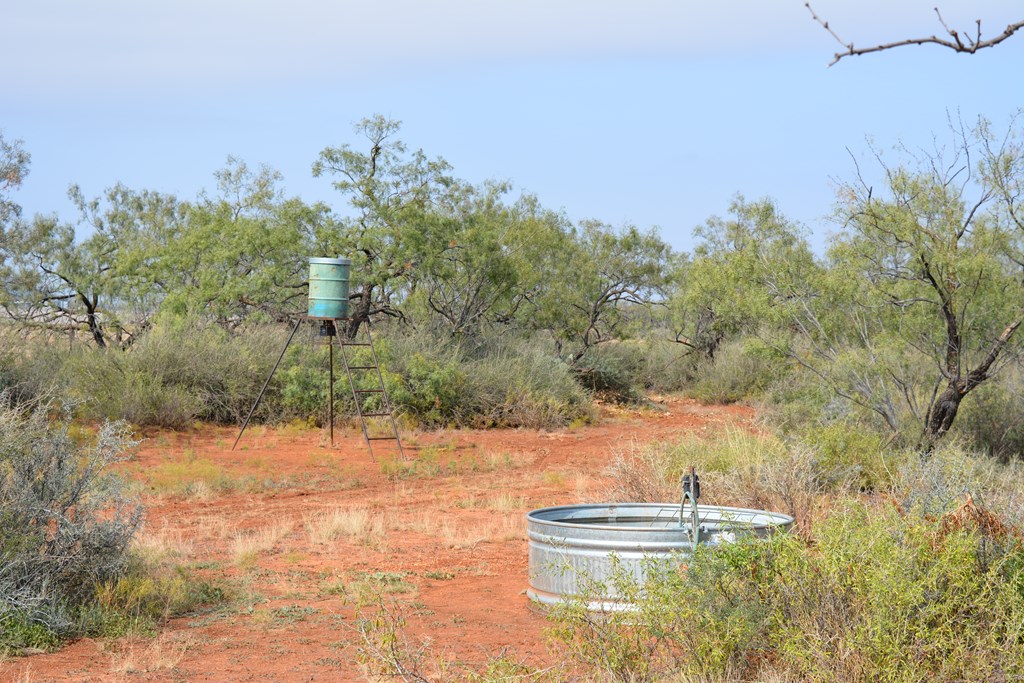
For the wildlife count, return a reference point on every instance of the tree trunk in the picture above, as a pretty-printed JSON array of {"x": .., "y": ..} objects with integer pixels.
[
  {"x": 942, "y": 414},
  {"x": 93, "y": 321},
  {"x": 359, "y": 313}
]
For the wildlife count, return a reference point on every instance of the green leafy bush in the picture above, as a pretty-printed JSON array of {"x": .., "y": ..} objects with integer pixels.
[
  {"x": 665, "y": 365},
  {"x": 66, "y": 522},
  {"x": 853, "y": 454},
  {"x": 992, "y": 418},
  {"x": 613, "y": 371},
  {"x": 30, "y": 369},
  {"x": 519, "y": 383},
  {"x": 877, "y": 594},
  {"x": 490, "y": 382},
  {"x": 741, "y": 370},
  {"x": 179, "y": 372}
]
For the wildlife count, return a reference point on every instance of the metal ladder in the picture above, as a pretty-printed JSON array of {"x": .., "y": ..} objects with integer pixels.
[{"x": 360, "y": 395}]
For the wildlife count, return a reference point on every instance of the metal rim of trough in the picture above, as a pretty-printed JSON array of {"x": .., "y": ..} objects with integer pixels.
[{"x": 570, "y": 544}]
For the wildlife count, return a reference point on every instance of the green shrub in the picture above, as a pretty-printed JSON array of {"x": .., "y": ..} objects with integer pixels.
[
  {"x": 992, "y": 417},
  {"x": 66, "y": 521},
  {"x": 301, "y": 385},
  {"x": 520, "y": 384},
  {"x": 853, "y": 454},
  {"x": 876, "y": 595},
  {"x": 488, "y": 382},
  {"x": 178, "y": 372},
  {"x": 613, "y": 371},
  {"x": 30, "y": 368},
  {"x": 741, "y": 370},
  {"x": 425, "y": 378},
  {"x": 665, "y": 366}
]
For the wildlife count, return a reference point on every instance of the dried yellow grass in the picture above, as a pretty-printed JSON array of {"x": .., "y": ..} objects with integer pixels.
[
  {"x": 247, "y": 547},
  {"x": 355, "y": 524}
]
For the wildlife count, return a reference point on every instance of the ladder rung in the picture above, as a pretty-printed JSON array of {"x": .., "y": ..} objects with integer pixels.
[
  {"x": 368, "y": 391},
  {"x": 382, "y": 438},
  {"x": 362, "y": 367},
  {"x": 375, "y": 415},
  {"x": 356, "y": 344}
]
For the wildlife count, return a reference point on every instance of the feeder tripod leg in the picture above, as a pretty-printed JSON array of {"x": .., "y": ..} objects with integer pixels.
[
  {"x": 267, "y": 383},
  {"x": 330, "y": 399}
]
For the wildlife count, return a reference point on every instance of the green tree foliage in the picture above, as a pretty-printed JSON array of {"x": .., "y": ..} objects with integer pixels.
[
  {"x": 923, "y": 294},
  {"x": 478, "y": 256},
  {"x": 14, "y": 166},
  {"x": 595, "y": 273},
  {"x": 55, "y": 278},
  {"x": 241, "y": 254},
  {"x": 389, "y": 190},
  {"x": 744, "y": 269}
]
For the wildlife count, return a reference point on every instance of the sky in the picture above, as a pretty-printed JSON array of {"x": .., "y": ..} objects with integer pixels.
[{"x": 649, "y": 112}]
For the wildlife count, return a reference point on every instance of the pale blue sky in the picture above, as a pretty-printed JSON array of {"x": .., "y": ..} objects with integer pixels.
[{"x": 654, "y": 112}]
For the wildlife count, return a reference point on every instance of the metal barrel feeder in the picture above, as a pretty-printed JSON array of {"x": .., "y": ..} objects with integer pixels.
[
  {"x": 327, "y": 307},
  {"x": 328, "y": 288},
  {"x": 575, "y": 548}
]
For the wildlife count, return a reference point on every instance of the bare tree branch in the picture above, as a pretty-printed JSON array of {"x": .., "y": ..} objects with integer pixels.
[{"x": 957, "y": 42}]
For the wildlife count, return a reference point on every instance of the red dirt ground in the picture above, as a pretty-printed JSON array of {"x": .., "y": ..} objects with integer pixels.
[{"x": 449, "y": 547}]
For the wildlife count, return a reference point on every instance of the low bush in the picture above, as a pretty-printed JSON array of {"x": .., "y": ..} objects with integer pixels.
[
  {"x": 854, "y": 455},
  {"x": 519, "y": 383},
  {"x": 489, "y": 382},
  {"x": 740, "y": 370},
  {"x": 66, "y": 523},
  {"x": 612, "y": 371},
  {"x": 992, "y": 418},
  {"x": 878, "y": 594},
  {"x": 667, "y": 366},
  {"x": 30, "y": 369},
  {"x": 179, "y": 372},
  {"x": 67, "y": 565}
]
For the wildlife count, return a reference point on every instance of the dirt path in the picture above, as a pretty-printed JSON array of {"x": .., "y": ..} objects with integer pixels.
[{"x": 443, "y": 537}]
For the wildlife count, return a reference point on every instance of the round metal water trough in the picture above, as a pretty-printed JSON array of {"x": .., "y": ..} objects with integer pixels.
[{"x": 573, "y": 546}]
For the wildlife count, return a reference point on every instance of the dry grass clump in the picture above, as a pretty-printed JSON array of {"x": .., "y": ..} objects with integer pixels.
[
  {"x": 737, "y": 468},
  {"x": 506, "y": 502},
  {"x": 246, "y": 548},
  {"x": 354, "y": 524},
  {"x": 495, "y": 528},
  {"x": 162, "y": 653},
  {"x": 162, "y": 545}
]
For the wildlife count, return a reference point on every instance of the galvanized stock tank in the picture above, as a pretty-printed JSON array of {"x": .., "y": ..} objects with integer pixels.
[
  {"x": 328, "y": 287},
  {"x": 573, "y": 545}
]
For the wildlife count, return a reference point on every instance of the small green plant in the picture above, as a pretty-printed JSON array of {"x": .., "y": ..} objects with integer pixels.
[
  {"x": 290, "y": 614},
  {"x": 439, "y": 575},
  {"x": 368, "y": 583}
]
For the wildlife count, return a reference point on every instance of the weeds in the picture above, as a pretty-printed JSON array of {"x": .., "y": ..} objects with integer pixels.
[
  {"x": 385, "y": 650},
  {"x": 162, "y": 653}
]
